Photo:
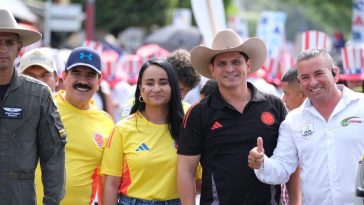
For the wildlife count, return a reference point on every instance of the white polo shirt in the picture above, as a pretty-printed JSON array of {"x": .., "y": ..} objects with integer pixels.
[{"x": 326, "y": 152}]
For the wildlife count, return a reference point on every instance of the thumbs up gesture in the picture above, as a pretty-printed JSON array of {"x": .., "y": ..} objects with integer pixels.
[{"x": 256, "y": 155}]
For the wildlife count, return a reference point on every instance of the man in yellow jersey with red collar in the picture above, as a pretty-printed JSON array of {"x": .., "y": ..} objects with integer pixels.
[{"x": 88, "y": 126}]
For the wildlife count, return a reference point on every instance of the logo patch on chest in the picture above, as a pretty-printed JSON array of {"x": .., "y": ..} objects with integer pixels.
[
  {"x": 216, "y": 125},
  {"x": 99, "y": 140},
  {"x": 143, "y": 147},
  {"x": 307, "y": 130},
  {"x": 351, "y": 120},
  {"x": 12, "y": 113},
  {"x": 267, "y": 118}
]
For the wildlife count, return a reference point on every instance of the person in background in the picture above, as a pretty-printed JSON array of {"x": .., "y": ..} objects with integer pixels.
[
  {"x": 220, "y": 130},
  {"x": 209, "y": 87},
  {"x": 323, "y": 137},
  {"x": 39, "y": 64},
  {"x": 140, "y": 160},
  {"x": 104, "y": 100},
  {"x": 187, "y": 75},
  {"x": 293, "y": 97},
  {"x": 88, "y": 126},
  {"x": 30, "y": 127}
]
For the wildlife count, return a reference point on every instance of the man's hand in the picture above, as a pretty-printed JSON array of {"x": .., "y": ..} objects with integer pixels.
[{"x": 256, "y": 155}]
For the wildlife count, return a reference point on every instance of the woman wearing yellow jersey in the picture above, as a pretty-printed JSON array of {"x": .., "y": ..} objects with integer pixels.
[{"x": 140, "y": 160}]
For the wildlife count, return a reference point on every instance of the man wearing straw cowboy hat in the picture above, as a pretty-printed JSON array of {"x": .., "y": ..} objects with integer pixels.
[
  {"x": 220, "y": 130},
  {"x": 30, "y": 126}
]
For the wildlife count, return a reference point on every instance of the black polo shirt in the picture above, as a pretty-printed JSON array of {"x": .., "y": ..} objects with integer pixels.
[{"x": 223, "y": 137}]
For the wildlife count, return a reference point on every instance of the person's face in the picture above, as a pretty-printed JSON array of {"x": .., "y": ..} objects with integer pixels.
[
  {"x": 155, "y": 88},
  {"x": 43, "y": 75},
  {"x": 230, "y": 69},
  {"x": 80, "y": 83},
  {"x": 316, "y": 79},
  {"x": 293, "y": 97},
  {"x": 184, "y": 89},
  {"x": 9, "y": 50}
]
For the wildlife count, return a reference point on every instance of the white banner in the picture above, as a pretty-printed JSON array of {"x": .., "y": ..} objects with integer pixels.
[
  {"x": 182, "y": 18},
  {"x": 271, "y": 30},
  {"x": 210, "y": 18},
  {"x": 239, "y": 24},
  {"x": 357, "y": 29}
]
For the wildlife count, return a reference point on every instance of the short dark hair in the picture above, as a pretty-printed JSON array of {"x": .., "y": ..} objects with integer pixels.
[
  {"x": 186, "y": 73},
  {"x": 175, "y": 114},
  {"x": 290, "y": 75}
]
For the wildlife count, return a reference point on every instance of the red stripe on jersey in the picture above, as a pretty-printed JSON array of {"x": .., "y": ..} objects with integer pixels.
[
  {"x": 108, "y": 144},
  {"x": 126, "y": 181},
  {"x": 94, "y": 185}
]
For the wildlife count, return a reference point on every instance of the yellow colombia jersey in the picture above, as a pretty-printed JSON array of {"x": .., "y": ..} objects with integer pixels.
[
  {"x": 145, "y": 156},
  {"x": 87, "y": 132}
]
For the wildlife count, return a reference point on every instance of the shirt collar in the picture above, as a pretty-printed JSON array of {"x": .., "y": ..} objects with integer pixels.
[
  {"x": 216, "y": 100},
  {"x": 15, "y": 81},
  {"x": 347, "y": 96}
]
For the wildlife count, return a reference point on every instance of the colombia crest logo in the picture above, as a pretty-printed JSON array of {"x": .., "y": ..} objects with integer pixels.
[
  {"x": 267, "y": 118},
  {"x": 99, "y": 140}
]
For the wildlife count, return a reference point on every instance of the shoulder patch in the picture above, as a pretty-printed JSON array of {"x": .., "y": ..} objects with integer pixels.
[
  {"x": 267, "y": 118},
  {"x": 62, "y": 133}
]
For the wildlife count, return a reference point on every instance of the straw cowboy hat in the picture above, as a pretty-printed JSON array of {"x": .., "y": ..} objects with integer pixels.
[
  {"x": 9, "y": 25},
  {"x": 228, "y": 41}
]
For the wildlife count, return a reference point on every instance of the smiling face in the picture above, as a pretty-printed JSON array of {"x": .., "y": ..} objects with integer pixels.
[
  {"x": 155, "y": 88},
  {"x": 230, "y": 70},
  {"x": 317, "y": 80},
  {"x": 81, "y": 83}
]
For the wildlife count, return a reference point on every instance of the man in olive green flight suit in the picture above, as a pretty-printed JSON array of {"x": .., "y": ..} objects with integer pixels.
[{"x": 30, "y": 126}]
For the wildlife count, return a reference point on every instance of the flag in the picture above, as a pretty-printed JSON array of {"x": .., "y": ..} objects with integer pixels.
[
  {"x": 315, "y": 39},
  {"x": 357, "y": 30},
  {"x": 353, "y": 63}
]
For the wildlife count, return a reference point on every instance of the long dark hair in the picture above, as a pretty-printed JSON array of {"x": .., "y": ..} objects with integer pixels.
[{"x": 175, "y": 110}]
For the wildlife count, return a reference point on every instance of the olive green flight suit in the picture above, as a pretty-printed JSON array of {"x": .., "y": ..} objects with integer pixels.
[{"x": 30, "y": 130}]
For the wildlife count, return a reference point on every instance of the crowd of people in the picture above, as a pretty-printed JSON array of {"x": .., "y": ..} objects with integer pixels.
[{"x": 60, "y": 142}]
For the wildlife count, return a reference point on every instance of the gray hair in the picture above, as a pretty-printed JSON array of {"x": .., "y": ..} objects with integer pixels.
[{"x": 315, "y": 52}]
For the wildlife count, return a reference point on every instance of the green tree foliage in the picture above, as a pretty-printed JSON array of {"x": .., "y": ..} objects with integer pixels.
[
  {"x": 117, "y": 15},
  {"x": 325, "y": 15}
]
